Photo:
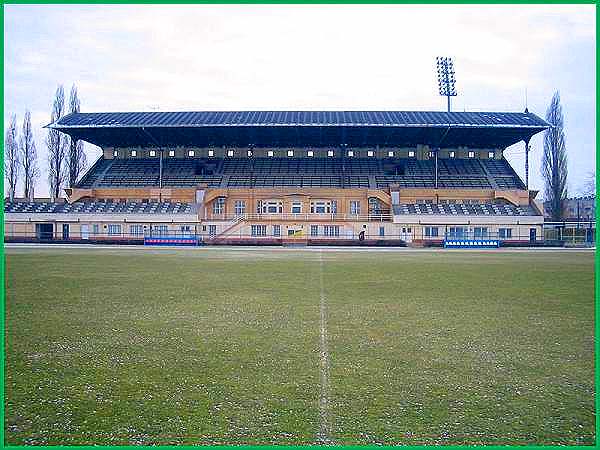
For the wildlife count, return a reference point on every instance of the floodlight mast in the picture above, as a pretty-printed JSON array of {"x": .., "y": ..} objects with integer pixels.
[{"x": 446, "y": 78}]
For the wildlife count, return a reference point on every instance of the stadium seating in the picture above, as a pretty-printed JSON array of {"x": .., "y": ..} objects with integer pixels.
[
  {"x": 97, "y": 207},
  {"x": 453, "y": 209},
  {"x": 303, "y": 172}
]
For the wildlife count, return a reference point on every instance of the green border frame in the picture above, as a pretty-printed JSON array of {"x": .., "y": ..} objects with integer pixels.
[{"x": 316, "y": 2}]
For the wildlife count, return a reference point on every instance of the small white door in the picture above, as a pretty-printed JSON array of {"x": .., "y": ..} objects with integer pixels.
[{"x": 85, "y": 231}]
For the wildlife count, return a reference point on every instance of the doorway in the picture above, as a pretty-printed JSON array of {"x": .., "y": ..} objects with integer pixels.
[
  {"x": 85, "y": 231},
  {"x": 532, "y": 235},
  {"x": 44, "y": 231}
]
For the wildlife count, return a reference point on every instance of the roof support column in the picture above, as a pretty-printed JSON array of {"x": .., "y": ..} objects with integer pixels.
[
  {"x": 435, "y": 152},
  {"x": 527, "y": 148},
  {"x": 160, "y": 151}
]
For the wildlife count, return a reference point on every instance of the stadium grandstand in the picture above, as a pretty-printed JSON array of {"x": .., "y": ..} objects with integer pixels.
[{"x": 259, "y": 177}]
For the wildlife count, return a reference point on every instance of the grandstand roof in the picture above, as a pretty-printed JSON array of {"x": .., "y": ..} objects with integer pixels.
[{"x": 302, "y": 128}]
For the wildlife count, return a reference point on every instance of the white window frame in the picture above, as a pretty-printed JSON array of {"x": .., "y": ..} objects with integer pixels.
[
  {"x": 310, "y": 153},
  {"x": 296, "y": 208},
  {"x": 249, "y": 153},
  {"x": 355, "y": 207},
  {"x": 240, "y": 206},
  {"x": 290, "y": 153},
  {"x": 350, "y": 153},
  {"x": 171, "y": 153},
  {"x": 451, "y": 154},
  {"x": 230, "y": 153},
  {"x": 114, "y": 229},
  {"x": 211, "y": 153},
  {"x": 191, "y": 153},
  {"x": 390, "y": 154},
  {"x": 314, "y": 230},
  {"x": 270, "y": 153},
  {"x": 491, "y": 155},
  {"x": 218, "y": 206},
  {"x": 152, "y": 153},
  {"x": 276, "y": 230},
  {"x": 330, "y": 153},
  {"x": 133, "y": 153},
  {"x": 258, "y": 230},
  {"x": 115, "y": 153},
  {"x": 136, "y": 230},
  {"x": 370, "y": 153},
  {"x": 411, "y": 153},
  {"x": 471, "y": 154}
]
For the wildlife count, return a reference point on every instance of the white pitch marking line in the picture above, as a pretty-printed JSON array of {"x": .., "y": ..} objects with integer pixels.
[{"x": 324, "y": 428}]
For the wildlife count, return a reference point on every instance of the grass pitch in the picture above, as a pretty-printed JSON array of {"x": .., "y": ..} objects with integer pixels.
[{"x": 225, "y": 346}]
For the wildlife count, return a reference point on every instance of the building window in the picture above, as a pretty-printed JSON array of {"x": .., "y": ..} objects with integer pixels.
[
  {"x": 171, "y": 153},
  {"x": 240, "y": 206},
  {"x": 431, "y": 154},
  {"x": 160, "y": 230},
  {"x": 480, "y": 232},
  {"x": 452, "y": 154},
  {"x": 457, "y": 232},
  {"x": 276, "y": 230},
  {"x": 211, "y": 153},
  {"x": 258, "y": 230},
  {"x": 271, "y": 207},
  {"x": 355, "y": 207},
  {"x": 190, "y": 152},
  {"x": 505, "y": 233},
  {"x": 249, "y": 153},
  {"x": 330, "y": 153},
  {"x": 136, "y": 230},
  {"x": 381, "y": 231},
  {"x": 230, "y": 153},
  {"x": 290, "y": 153},
  {"x": 370, "y": 153},
  {"x": 411, "y": 153},
  {"x": 471, "y": 154},
  {"x": 270, "y": 153},
  {"x": 431, "y": 232},
  {"x": 219, "y": 205},
  {"x": 152, "y": 153},
  {"x": 491, "y": 155},
  {"x": 333, "y": 206},
  {"x": 296, "y": 208},
  {"x": 374, "y": 206},
  {"x": 390, "y": 154},
  {"x": 134, "y": 153},
  {"x": 186, "y": 230},
  {"x": 331, "y": 230},
  {"x": 314, "y": 230},
  {"x": 350, "y": 153},
  {"x": 114, "y": 229},
  {"x": 321, "y": 207},
  {"x": 310, "y": 153},
  {"x": 115, "y": 153},
  {"x": 212, "y": 230}
]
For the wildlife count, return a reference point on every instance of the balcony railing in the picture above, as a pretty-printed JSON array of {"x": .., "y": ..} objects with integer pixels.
[{"x": 380, "y": 217}]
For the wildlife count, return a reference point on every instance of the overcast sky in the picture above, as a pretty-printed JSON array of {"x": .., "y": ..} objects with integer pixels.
[{"x": 351, "y": 57}]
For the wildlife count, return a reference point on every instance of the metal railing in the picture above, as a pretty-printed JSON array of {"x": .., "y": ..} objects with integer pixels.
[{"x": 303, "y": 217}]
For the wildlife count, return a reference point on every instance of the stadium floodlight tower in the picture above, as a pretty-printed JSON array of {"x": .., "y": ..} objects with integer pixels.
[{"x": 446, "y": 79}]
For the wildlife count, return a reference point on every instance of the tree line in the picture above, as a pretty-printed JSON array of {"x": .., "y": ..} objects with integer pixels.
[{"x": 66, "y": 158}]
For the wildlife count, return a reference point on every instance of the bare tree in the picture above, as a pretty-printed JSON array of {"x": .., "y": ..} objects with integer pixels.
[
  {"x": 76, "y": 158},
  {"x": 589, "y": 186},
  {"x": 11, "y": 157},
  {"x": 554, "y": 160},
  {"x": 57, "y": 147},
  {"x": 28, "y": 158}
]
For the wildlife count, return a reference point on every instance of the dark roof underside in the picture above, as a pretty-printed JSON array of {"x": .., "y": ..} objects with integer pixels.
[{"x": 302, "y": 128}]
